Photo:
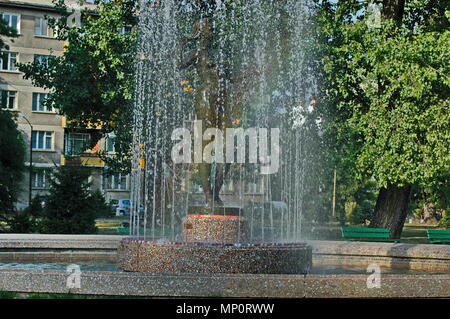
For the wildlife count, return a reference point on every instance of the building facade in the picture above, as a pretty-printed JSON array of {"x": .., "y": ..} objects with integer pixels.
[{"x": 42, "y": 126}]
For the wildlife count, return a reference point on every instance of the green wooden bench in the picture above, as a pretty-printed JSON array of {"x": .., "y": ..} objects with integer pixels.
[
  {"x": 367, "y": 234},
  {"x": 123, "y": 230},
  {"x": 126, "y": 230},
  {"x": 438, "y": 236}
]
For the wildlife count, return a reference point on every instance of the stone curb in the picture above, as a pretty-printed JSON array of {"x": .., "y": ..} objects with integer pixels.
[{"x": 222, "y": 285}]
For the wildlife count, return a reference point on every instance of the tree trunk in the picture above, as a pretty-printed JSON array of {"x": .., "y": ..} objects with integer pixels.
[
  {"x": 391, "y": 209},
  {"x": 394, "y": 9}
]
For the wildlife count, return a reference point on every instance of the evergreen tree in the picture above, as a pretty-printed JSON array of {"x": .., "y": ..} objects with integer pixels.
[
  {"x": 12, "y": 156},
  {"x": 69, "y": 209}
]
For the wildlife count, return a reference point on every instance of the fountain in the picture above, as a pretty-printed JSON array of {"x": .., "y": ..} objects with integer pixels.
[{"x": 220, "y": 158}]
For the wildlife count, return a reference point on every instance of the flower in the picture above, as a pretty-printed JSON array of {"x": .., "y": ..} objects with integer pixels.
[
  {"x": 313, "y": 102},
  {"x": 184, "y": 82},
  {"x": 236, "y": 121},
  {"x": 188, "y": 89}
]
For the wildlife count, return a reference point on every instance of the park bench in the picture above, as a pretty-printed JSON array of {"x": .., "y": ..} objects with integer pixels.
[
  {"x": 123, "y": 230},
  {"x": 439, "y": 236},
  {"x": 367, "y": 234}
]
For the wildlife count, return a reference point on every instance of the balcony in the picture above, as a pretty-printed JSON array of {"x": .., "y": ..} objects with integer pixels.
[
  {"x": 85, "y": 159},
  {"x": 76, "y": 150}
]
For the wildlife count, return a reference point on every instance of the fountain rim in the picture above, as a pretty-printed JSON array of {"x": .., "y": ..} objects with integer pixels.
[
  {"x": 213, "y": 216},
  {"x": 205, "y": 244}
]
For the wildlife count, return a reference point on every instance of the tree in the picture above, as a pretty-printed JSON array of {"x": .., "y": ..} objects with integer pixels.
[
  {"x": 71, "y": 208},
  {"x": 12, "y": 158},
  {"x": 12, "y": 147},
  {"x": 388, "y": 84},
  {"x": 92, "y": 82},
  {"x": 8, "y": 32}
]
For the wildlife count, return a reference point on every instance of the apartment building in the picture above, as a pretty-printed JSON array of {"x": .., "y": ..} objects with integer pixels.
[{"x": 43, "y": 127}]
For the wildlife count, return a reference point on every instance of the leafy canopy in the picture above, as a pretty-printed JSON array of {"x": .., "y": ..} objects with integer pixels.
[
  {"x": 92, "y": 82},
  {"x": 390, "y": 87},
  {"x": 12, "y": 157}
]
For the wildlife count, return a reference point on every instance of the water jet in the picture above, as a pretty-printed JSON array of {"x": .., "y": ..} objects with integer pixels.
[{"x": 232, "y": 66}]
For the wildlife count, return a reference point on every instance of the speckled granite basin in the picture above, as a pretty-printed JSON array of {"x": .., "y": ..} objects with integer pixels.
[
  {"x": 198, "y": 257},
  {"x": 214, "y": 244}
]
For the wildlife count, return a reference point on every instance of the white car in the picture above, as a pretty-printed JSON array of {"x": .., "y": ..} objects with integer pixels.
[{"x": 123, "y": 206}]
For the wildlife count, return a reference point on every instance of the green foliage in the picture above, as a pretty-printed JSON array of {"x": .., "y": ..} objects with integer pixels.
[
  {"x": 103, "y": 209},
  {"x": 361, "y": 213},
  {"x": 390, "y": 87},
  {"x": 29, "y": 219},
  {"x": 22, "y": 222},
  {"x": 92, "y": 82},
  {"x": 12, "y": 157},
  {"x": 7, "y": 294},
  {"x": 70, "y": 208},
  {"x": 445, "y": 221},
  {"x": 385, "y": 99},
  {"x": 55, "y": 296},
  {"x": 6, "y": 31}
]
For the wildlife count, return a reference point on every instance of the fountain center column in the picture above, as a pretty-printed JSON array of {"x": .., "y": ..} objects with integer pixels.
[{"x": 211, "y": 226}]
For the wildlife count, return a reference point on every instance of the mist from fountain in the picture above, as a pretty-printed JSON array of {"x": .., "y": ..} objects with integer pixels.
[{"x": 257, "y": 53}]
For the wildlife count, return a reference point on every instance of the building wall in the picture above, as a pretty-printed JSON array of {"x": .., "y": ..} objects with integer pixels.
[{"x": 27, "y": 46}]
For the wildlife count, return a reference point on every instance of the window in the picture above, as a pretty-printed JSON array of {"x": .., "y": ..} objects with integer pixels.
[
  {"x": 116, "y": 181},
  {"x": 8, "y": 100},
  {"x": 13, "y": 20},
  {"x": 38, "y": 103},
  {"x": 110, "y": 143},
  {"x": 8, "y": 61},
  {"x": 41, "y": 178},
  {"x": 124, "y": 30},
  {"x": 42, "y": 59},
  {"x": 256, "y": 187},
  {"x": 41, "y": 28},
  {"x": 42, "y": 140},
  {"x": 76, "y": 143}
]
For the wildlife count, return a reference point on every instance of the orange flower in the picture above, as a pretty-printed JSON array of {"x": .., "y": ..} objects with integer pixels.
[
  {"x": 188, "y": 89},
  {"x": 96, "y": 148},
  {"x": 236, "y": 121}
]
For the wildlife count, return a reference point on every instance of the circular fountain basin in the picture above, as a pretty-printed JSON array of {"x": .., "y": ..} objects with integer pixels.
[
  {"x": 215, "y": 228},
  {"x": 200, "y": 257}
]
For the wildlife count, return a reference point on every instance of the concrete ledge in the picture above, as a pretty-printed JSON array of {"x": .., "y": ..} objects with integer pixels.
[
  {"x": 23, "y": 247},
  {"x": 392, "y": 286},
  {"x": 400, "y": 256},
  {"x": 58, "y": 255},
  {"x": 227, "y": 285},
  {"x": 40, "y": 241}
]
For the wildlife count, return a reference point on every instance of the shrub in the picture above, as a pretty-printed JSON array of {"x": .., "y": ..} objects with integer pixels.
[
  {"x": 27, "y": 220},
  {"x": 22, "y": 222},
  {"x": 103, "y": 209},
  {"x": 444, "y": 222},
  {"x": 69, "y": 209},
  {"x": 361, "y": 213}
]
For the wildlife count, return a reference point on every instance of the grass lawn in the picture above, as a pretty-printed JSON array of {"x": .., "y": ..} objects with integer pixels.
[
  {"x": 16, "y": 295},
  {"x": 412, "y": 233},
  {"x": 108, "y": 226},
  {"x": 416, "y": 234}
]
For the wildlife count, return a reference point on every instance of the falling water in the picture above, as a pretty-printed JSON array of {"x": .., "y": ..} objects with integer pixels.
[{"x": 260, "y": 56}]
